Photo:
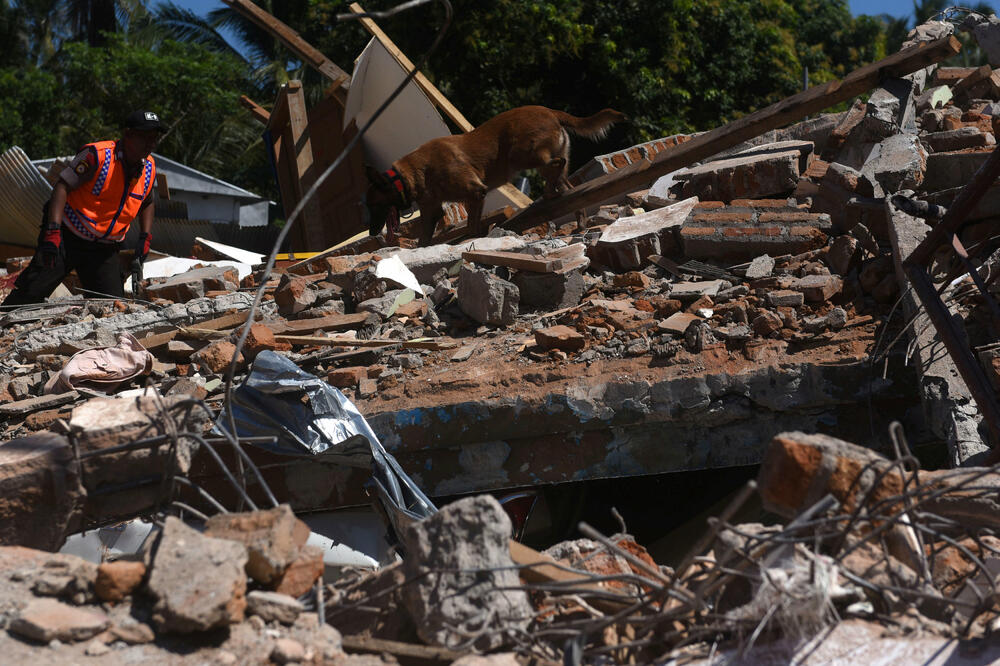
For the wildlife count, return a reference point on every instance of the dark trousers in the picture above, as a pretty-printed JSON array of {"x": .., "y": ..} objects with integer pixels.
[{"x": 96, "y": 264}]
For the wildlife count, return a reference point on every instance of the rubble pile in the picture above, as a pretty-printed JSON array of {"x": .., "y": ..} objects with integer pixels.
[
  {"x": 879, "y": 541},
  {"x": 683, "y": 326}
]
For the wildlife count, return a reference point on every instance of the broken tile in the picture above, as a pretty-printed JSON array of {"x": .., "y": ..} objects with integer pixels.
[{"x": 678, "y": 322}]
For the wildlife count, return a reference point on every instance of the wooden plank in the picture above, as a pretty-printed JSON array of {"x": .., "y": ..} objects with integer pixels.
[
  {"x": 294, "y": 42},
  {"x": 432, "y": 344},
  {"x": 489, "y": 220},
  {"x": 514, "y": 195},
  {"x": 327, "y": 323},
  {"x": 516, "y": 260},
  {"x": 258, "y": 112},
  {"x": 705, "y": 145},
  {"x": 226, "y": 321},
  {"x": 591, "y": 193}
]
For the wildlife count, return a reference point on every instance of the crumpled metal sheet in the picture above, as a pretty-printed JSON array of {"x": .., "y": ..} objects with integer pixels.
[
  {"x": 308, "y": 416},
  {"x": 23, "y": 193}
]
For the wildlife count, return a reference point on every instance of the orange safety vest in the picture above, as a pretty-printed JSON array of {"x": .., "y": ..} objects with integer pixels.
[{"x": 102, "y": 208}]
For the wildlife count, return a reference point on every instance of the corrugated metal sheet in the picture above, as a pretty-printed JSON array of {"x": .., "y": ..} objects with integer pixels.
[{"x": 23, "y": 193}]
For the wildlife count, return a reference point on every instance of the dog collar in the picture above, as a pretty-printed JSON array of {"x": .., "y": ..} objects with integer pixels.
[{"x": 401, "y": 189}]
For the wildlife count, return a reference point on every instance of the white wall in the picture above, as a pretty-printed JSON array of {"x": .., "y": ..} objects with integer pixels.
[
  {"x": 208, "y": 206},
  {"x": 254, "y": 215}
]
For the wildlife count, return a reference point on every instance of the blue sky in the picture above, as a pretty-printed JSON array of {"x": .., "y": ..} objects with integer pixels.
[
  {"x": 893, "y": 7},
  {"x": 871, "y": 7}
]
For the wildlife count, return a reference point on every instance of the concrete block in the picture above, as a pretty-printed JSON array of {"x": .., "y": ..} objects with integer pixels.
[
  {"x": 784, "y": 298},
  {"x": 460, "y": 564},
  {"x": 552, "y": 291},
  {"x": 762, "y": 174},
  {"x": 39, "y": 491},
  {"x": 900, "y": 164},
  {"x": 952, "y": 169},
  {"x": 760, "y": 267},
  {"x": 818, "y": 288},
  {"x": 215, "y": 597},
  {"x": 272, "y": 538},
  {"x": 958, "y": 139},
  {"x": 486, "y": 298},
  {"x": 890, "y": 107},
  {"x": 986, "y": 30},
  {"x": 193, "y": 284}
]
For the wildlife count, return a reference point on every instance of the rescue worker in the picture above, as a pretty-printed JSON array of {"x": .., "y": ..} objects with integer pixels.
[{"x": 106, "y": 186}]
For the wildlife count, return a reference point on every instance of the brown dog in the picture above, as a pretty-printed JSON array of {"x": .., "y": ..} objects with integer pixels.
[{"x": 464, "y": 167}]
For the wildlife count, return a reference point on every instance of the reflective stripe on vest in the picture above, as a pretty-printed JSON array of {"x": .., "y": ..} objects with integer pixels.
[{"x": 107, "y": 217}]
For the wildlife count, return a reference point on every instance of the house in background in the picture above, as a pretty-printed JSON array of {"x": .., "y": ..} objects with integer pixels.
[{"x": 206, "y": 197}]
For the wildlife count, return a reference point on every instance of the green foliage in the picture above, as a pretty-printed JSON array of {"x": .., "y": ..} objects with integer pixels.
[{"x": 670, "y": 65}]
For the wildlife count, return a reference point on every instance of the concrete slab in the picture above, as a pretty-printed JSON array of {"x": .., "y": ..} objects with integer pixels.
[{"x": 950, "y": 412}]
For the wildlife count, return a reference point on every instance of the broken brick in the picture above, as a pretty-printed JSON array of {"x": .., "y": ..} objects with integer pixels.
[{"x": 560, "y": 337}]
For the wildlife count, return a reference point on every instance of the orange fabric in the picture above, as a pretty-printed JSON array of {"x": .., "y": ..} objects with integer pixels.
[{"x": 96, "y": 210}]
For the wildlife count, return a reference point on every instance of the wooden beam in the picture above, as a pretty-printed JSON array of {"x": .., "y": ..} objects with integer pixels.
[
  {"x": 217, "y": 324},
  {"x": 517, "y": 260},
  {"x": 333, "y": 322},
  {"x": 433, "y": 344},
  {"x": 290, "y": 38},
  {"x": 712, "y": 142},
  {"x": 258, "y": 112},
  {"x": 516, "y": 196}
]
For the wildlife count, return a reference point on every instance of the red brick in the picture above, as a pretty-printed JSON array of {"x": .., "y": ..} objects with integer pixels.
[
  {"x": 619, "y": 160},
  {"x": 633, "y": 155},
  {"x": 816, "y": 169},
  {"x": 760, "y": 203},
  {"x": 709, "y": 205},
  {"x": 698, "y": 231},
  {"x": 261, "y": 337},
  {"x": 789, "y": 217},
  {"x": 347, "y": 377},
  {"x": 302, "y": 573},
  {"x": 117, "y": 580},
  {"x": 726, "y": 216}
]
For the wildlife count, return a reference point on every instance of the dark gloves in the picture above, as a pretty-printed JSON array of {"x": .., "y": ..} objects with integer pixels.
[
  {"x": 49, "y": 241},
  {"x": 142, "y": 247},
  {"x": 141, "y": 251}
]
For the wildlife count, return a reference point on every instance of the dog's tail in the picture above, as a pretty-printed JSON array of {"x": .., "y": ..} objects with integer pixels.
[{"x": 593, "y": 127}]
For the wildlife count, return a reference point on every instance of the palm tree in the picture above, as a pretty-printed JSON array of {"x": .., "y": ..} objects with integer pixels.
[{"x": 272, "y": 63}]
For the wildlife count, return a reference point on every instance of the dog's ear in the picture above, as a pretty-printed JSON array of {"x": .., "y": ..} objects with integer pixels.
[{"x": 376, "y": 177}]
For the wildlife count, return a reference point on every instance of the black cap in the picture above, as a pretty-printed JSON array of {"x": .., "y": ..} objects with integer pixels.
[{"x": 144, "y": 121}]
